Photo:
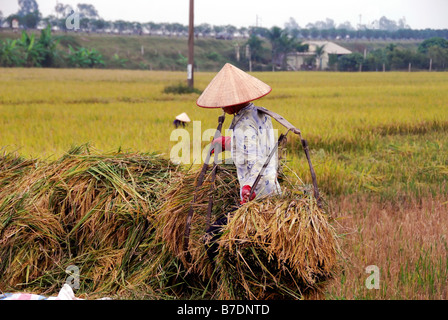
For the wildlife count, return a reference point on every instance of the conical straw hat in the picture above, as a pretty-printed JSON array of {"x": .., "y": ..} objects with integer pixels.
[
  {"x": 183, "y": 117},
  {"x": 232, "y": 86}
]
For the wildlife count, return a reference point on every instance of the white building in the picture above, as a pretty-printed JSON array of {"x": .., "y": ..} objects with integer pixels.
[{"x": 309, "y": 60}]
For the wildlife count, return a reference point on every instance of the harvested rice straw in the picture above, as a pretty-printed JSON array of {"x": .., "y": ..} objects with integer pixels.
[
  {"x": 12, "y": 167},
  {"x": 280, "y": 244},
  {"x": 120, "y": 218},
  {"x": 31, "y": 236},
  {"x": 173, "y": 214},
  {"x": 107, "y": 203},
  {"x": 88, "y": 209}
]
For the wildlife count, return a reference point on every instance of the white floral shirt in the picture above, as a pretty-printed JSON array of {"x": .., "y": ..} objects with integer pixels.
[{"x": 253, "y": 138}]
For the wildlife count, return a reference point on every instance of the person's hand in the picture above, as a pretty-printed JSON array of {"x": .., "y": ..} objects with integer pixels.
[
  {"x": 245, "y": 193},
  {"x": 223, "y": 141}
]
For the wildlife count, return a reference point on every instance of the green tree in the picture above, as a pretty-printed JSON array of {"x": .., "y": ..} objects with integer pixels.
[
  {"x": 375, "y": 60},
  {"x": 98, "y": 24},
  {"x": 399, "y": 59},
  {"x": 32, "y": 50},
  {"x": 305, "y": 33},
  {"x": 350, "y": 62},
  {"x": 281, "y": 44},
  {"x": 63, "y": 10},
  {"x": 31, "y": 20},
  {"x": 87, "y": 11},
  {"x": 29, "y": 13},
  {"x": 85, "y": 58},
  {"x": 439, "y": 57},
  {"x": 27, "y": 7},
  {"x": 48, "y": 44},
  {"x": 10, "y": 55},
  {"x": 256, "y": 47},
  {"x": 319, "y": 51},
  {"x": 432, "y": 42},
  {"x": 29, "y": 51},
  {"x": 274, "y": 36}
]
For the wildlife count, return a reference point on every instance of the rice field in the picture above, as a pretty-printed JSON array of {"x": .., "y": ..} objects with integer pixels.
[{"x": 378, "y": 143}]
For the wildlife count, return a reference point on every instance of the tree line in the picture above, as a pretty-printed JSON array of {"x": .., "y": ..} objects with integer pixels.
[
  {"x": 29, "y": 17},
  {"x": 261, "y": 54},
  {"x": 30, "y": 51},
  {"x": 264, "y": 48},
  {"x": 431, "y": 54}
]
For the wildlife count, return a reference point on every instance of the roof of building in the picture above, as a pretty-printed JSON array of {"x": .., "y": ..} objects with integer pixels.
[
  {"x": 311, "y": 54},
  {"x": 330, "y": 47}
]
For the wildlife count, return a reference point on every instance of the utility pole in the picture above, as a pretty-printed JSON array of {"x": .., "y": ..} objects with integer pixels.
[
  {"x": 190, "y": 66},
  {"x": 248, "y": 56},
  {"x": 237, "y": 52},
  {"x": 258, "y": 21}
]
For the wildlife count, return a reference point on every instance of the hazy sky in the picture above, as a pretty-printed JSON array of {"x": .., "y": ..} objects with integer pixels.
[{"x": 420, "y": 14}]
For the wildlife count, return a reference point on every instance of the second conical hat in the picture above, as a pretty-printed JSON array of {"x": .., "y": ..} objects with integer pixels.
[
  {"x": 232, "y": 86},
  {"x": 183, "y": 117}
]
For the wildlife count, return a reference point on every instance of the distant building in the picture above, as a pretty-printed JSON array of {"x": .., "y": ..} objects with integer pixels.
[
  {"x": 309, "y": 60},
  {"x": 15, "y": 23},
  {"x": 224, "y": 36}
]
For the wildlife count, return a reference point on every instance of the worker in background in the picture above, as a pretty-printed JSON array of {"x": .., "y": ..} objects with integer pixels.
[
  {"x": 252, "y": 137},
  {"x": 181, "y": 120}
]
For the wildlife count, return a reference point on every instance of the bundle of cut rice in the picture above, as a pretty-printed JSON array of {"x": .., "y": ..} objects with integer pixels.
[
  {"x": 276, "y": 247},
  {"x": 31, "y": 236},
  {"x": 86, "y": 209}
]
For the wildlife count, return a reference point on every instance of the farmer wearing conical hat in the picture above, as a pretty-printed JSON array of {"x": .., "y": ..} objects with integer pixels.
[
  {"x": 181, "y": 120},
  {"x": 252, "y": 137}
]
